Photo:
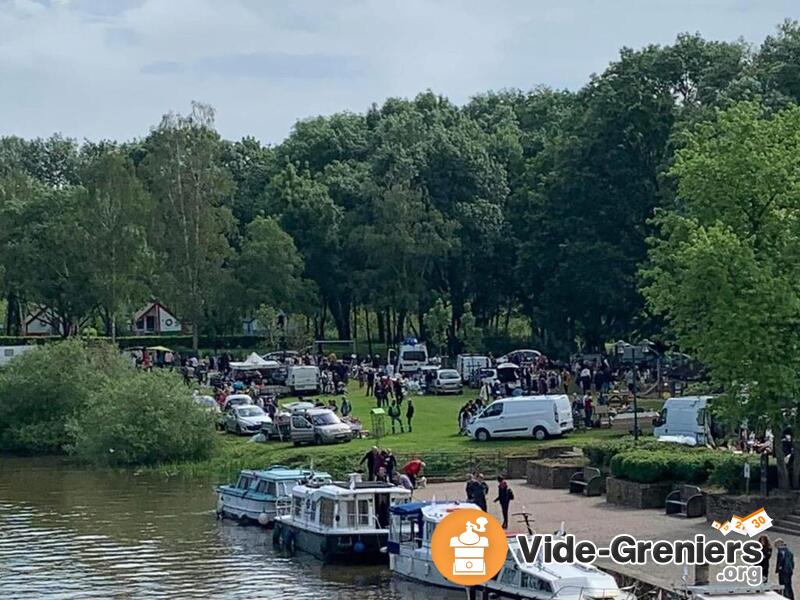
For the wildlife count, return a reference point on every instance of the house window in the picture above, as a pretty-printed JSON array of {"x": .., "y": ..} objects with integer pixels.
[
  {"x": 151, "y": 323},
  {"x": 140, "y": 324}
]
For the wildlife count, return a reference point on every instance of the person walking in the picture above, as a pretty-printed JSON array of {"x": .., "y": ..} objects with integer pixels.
[
  {"x": 346, "y": 407},
  {"x": 394, "y": 415},
  {"x": 504, "y": 497},
  {"x": 390, "y": 464},
  {"x": 784, "y": 567},
  {"x": 766, "y": 551},
  {"x": 476, "y": 491},
  {"x": 409, "y": 412},
  {"x": 370, "y": 382}
]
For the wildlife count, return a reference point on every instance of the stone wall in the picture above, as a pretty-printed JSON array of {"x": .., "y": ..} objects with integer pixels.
[
  {"x": 720, "y": 507},
  {"x": 551, "y": 474},
  {"x": 636, "y": 495},
  {"x": 517, "y": 467}
]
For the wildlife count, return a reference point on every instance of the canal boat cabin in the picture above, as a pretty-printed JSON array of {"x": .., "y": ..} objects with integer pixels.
[
  {"x": 256, "y": 495},
  {"x": 545, "y": 581},
  {"x": 409, "y": 544},
  {"x": 341, "y": 521}
]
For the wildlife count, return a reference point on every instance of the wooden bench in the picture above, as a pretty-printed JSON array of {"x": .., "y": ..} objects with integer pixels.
[
  {"x": 687, "y": 501},
  {"x": 588, "y": 481}
]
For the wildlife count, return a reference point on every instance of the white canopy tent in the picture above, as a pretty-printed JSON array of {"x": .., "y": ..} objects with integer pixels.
[{"x": 253, "y": 363}]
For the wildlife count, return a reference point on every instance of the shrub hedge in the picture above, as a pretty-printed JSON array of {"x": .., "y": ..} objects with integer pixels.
[{"x": 651, "y": 461}]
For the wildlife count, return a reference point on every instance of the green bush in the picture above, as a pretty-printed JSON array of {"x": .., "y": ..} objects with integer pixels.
[
  {"x": 600, "y": 453},
  {"x": 142, "y": 419},
  {"x": 42, "y": 389},
  {"x": 728, "y": 471},
  {"x": 671, "y": 463}
]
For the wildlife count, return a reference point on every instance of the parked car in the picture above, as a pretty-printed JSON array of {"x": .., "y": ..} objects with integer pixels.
[
  {"x": 208, "y": 403},
  {"x": 318, "y": 426},
  {"x": 483, "y": 376},
  {"x": 447, "y": 381},
  {"x": 525, "y": 416},
  {"x": 520, "y": 357},
  {"x": 236, "y": 400},
  {"x": 246, "y": 419}
]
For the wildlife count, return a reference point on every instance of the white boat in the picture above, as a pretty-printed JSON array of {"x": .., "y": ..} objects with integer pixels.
[
  {"x": 409, "y": 544},
  {"x": 256, "y": 495},
  {"x": 546, "y": 581},
  {"x": 342, "y": 521}
]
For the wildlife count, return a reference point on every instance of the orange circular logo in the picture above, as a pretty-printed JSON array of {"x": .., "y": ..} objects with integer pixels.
[{"x": 469, "y": 546}]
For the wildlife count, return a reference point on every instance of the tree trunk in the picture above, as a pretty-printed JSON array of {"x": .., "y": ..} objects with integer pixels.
[
  {"x": 381, "y": 327},
  {"x": 369, "y": 333},
  {"x": 401, "y": 325},
  {"x": 423, "y": 331},
  {"x": 780, "y": 458},
  {"x": 795, "y": 459},
  {"x": 195, "y": 337}
]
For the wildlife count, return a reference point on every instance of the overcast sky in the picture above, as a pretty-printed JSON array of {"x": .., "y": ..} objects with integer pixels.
[{"x": 110, "y": 68}]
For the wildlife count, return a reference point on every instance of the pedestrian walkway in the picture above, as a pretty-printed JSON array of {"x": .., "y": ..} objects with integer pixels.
[{"x": 596, "y": 520}]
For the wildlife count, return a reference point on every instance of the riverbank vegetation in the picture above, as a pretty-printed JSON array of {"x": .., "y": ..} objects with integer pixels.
[{"x": 88, "y": 401}]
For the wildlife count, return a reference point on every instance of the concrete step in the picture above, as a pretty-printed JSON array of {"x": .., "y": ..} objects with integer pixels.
[
  {"x": 793, "y": 518},
  {"x": 780, "y": 527}
]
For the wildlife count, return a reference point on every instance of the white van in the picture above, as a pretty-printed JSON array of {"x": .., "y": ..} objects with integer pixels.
[
  {"x": 686, "y": 418},
  {"x": 467, "y": 364},
  {"x": 523, "y": 416},
  {"x": 303, "y": 379}
]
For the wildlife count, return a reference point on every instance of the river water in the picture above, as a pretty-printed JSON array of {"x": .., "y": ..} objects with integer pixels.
[{"x": 67, "y": 532}]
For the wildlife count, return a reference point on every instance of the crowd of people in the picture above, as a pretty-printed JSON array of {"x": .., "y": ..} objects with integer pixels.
[{"x": 381, "y": 465}]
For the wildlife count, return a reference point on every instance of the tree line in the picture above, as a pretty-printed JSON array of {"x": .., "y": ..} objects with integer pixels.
[{"x": 452, "y": 223}]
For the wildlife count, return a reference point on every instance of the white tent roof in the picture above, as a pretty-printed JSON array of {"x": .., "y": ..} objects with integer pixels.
[{"x": 253, "y": 362}]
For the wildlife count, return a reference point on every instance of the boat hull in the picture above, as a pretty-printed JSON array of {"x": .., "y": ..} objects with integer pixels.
[
  {"x": 419, "y": 567},
  {"x": 331, "y": 547},
  {"x": 234, "y": 504}
]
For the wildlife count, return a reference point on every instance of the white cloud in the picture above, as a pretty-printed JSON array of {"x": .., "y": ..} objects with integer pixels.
[{"x": 99, "y": 69}]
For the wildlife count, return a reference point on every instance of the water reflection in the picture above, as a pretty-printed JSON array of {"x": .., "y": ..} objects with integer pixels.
[{"x": 71, "y": 533}]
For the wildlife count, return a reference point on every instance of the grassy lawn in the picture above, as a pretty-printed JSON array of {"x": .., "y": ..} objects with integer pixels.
[{"x": 435, "y": 439}]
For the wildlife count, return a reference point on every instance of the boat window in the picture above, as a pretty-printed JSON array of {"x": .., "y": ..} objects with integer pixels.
[
  {"x": 509, "y": 576},
  {"x": 363, "y": 512},
  {"x": 534, "y": 583},
  {"x": 297, "y": 504},
  {"x": 326, "y": 512},
  {"x": 348, "y": 509},
  {"x": 244, "y": 482}
]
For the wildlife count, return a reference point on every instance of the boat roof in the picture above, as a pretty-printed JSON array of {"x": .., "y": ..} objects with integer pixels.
[
  {"x": 432, "y": 510},
  {"x": 346, "y": 488},
  {"x": 565, "y": 575},
  {"x": 281, "y": 473}
]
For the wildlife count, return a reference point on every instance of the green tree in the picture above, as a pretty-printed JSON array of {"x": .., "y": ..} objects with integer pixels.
[
  {"x": 191, "y": 225},
  {"x": 116, "y": 213},
  {"x": 437, "y": 320},
  {"x": 724, "y": 271},
  {"x": 268, "y": 268}
]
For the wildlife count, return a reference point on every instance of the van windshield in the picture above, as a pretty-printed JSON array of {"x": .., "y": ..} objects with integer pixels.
[
  {"x": 325, "y": 419},
  {"x": 493, "y": 410},
  {"x": 415, "y": 355}
]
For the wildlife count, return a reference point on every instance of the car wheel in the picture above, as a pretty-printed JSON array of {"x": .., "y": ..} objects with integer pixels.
[
  {"x": 238, "y": 429},
  {"x": 482, "y": 435},
  {"x": 296, "y": 444},
  {"x": 318, "y": 440},
  {"x": 540, "y": 433}
]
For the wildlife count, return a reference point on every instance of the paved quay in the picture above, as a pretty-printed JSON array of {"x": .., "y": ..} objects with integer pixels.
[{"x": 596, "y": 520}]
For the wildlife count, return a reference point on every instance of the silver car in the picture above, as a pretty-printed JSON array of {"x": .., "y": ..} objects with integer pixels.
[
  {"x": 318, "y": 426},
  {"x": 447, "y": 381},
  {"x": 246, "y": 419}
]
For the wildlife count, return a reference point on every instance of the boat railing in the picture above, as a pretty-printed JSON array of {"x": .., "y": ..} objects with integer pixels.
[
  {"x": 589, "y": 593},
  {"x": 352, "y": 520},
  {"x": 283, "y": 507}
]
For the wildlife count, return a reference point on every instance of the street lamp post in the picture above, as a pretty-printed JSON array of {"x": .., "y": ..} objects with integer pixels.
[{"x": 621, "y": 351}]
